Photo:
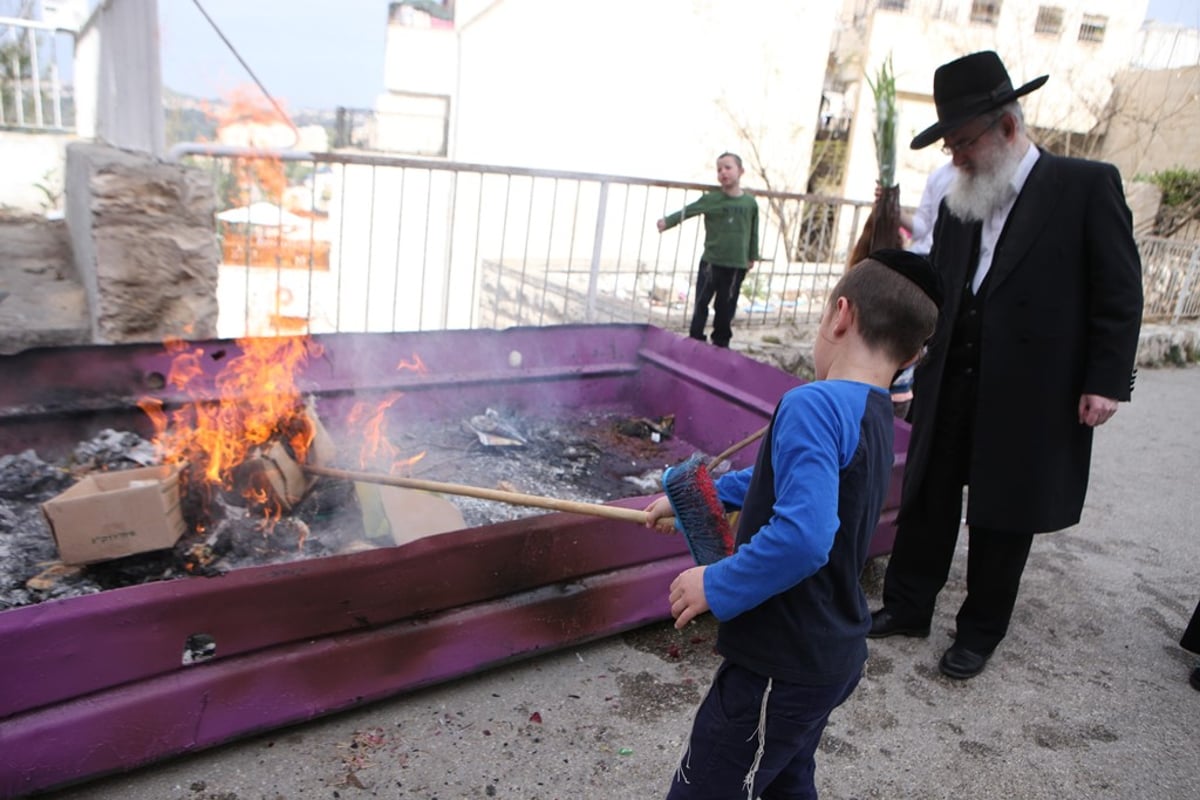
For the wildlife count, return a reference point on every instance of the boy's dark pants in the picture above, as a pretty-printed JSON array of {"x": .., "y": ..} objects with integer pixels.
[
  {"x": 720, "y": 286},
  {"x": 725, "y": 738}
]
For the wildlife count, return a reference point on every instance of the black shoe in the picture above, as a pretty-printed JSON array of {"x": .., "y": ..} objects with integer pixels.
[
  {"x": 883, "y": 624},
  {"x": 1194, "y": 679},
  {"x": 960, "y": 663}
]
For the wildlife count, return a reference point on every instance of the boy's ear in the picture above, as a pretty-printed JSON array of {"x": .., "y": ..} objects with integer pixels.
[
  {"x": 843, "y": 315},
  {"x": 915, "y": 358}
]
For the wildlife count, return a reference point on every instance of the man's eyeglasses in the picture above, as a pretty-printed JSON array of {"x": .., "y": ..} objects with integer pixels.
[{"x": 950, "y": 148}]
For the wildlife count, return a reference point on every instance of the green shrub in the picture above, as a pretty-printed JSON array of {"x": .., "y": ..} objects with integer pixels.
[{"x": 1179, "y": 186}]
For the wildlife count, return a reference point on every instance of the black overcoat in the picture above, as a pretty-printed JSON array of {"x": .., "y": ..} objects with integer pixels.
[{"x": 1060, "y": 319}]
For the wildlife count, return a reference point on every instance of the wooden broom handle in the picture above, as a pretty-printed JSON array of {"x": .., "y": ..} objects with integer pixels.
[
  {"x": 512, "y": 498},
  {"x": 751, "y": 439}
]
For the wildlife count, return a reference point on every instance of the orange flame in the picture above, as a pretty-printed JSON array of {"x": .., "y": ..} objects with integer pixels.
[
  {"x": 377, "y": 450},
  {"x": 256, "y": 402},
  {"x": 237, "y": 421},
  {"x": 247, "y": 117}
]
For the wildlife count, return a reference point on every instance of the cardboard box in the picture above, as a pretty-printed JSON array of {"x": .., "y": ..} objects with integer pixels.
[{"x": 113, "y": 514}]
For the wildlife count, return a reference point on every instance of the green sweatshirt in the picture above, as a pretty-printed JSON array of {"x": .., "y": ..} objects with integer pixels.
[{"x": 730, "y": 227}]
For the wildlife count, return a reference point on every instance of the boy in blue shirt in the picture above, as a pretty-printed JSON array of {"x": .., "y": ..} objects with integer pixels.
[
  {"x": 793, "y": 617},
  {"x": 730, "y": 248}
]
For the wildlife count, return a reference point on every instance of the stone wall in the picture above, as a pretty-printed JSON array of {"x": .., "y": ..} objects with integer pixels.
[{"x": 144, "y": 241}]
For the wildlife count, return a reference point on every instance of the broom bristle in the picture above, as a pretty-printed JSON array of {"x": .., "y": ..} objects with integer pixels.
[{"x": 699, "y": 514}]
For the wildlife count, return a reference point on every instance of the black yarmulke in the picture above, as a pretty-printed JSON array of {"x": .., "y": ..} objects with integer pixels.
[{"x": 914, "y": 267}]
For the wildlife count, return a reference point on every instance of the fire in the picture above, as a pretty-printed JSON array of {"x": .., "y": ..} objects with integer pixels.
[
  {"x": 252, "y": 413},
  {"x": 256, "y": 405},
  {"x": 245, "y": 434},
  {"x": 377, "y": 450},
  {"x": 247, "y": 120}
]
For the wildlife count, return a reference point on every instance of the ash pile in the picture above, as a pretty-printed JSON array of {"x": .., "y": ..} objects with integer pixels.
[{"x": 595, "y": 456}]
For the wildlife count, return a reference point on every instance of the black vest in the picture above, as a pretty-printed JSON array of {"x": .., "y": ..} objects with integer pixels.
[{"x": 962, "y": 356}]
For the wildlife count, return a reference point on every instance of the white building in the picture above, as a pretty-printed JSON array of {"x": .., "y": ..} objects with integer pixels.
[
  {"x": 1080, "y": 44},
  {"x": 627, "y": 87},
  {"x": 1165, "y": 46},
  {"x": 623, "y": 87}
]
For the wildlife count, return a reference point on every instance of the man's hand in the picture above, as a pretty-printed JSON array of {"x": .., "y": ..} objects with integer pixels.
[
  {"x": 662, "y": 225},
  {"x": 687, "y": 596},
  {"x": 1096, "y": 410}
]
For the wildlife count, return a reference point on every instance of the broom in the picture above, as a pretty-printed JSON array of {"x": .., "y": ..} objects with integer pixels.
[
  {"x": 715, "y": 461},
  {"x": 512, "y": 498},
  {"x": 699, "y": 514}
]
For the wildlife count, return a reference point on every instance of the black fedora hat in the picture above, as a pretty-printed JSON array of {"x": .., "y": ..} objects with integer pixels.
[{"x": 967, "y": 87}]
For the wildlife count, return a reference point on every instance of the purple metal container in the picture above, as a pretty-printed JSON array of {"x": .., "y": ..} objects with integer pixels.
[{"x": 97, "y": 684}]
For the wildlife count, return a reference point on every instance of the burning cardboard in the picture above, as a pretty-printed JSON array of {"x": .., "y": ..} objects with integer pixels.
[
  {"x": 272, "y": 475},
  {"x": 108, "y": 515}
]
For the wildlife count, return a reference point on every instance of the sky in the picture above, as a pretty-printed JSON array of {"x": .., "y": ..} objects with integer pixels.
[
  {"x": 308, "y": 53},
  {"x": 1185, "y": 12}
]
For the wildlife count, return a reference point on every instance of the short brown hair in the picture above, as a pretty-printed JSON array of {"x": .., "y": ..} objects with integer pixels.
[
  {"x": 894, "y": 314},
  {"x": 734, "y": 156}
]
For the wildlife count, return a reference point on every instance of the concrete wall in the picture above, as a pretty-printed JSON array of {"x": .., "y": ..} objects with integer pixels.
[
  {"x": 118, "y": 76},
  {"x": 27, "y": 161},
  {"x": 625, "y": 87},
  {"x": 1155, "y": 115}
]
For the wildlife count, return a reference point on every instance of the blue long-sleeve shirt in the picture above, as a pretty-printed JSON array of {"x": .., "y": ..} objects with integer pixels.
[{"x": 789, "y": 599}]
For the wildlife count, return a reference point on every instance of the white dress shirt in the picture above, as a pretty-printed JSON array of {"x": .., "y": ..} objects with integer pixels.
[{"x": 925, "y": 217}]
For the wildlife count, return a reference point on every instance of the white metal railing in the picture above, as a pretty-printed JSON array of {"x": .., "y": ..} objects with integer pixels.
[
  {"x": 369, "y": 242},
  {"x": 32, "y": 95},
  {"x": 1171, "y": 279}
]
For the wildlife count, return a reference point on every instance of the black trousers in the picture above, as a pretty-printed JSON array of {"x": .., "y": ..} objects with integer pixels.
[
  {"x": 1191, "y": 636},
  {"x": 928, "y": 533},
  {"x": 720, "y": 286}
]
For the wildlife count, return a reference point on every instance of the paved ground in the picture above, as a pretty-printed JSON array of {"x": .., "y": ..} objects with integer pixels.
[
  {"x": 1088, "y": 697},
  {"x": 42, "y": 303}
]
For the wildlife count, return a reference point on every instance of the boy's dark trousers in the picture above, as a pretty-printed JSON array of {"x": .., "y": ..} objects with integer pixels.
[
  {"x": 725, "y": 738},
  {"x": 720, "y": 286}
]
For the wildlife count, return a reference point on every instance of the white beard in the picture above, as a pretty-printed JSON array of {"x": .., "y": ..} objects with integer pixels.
[{"x": 973, "y": 197}]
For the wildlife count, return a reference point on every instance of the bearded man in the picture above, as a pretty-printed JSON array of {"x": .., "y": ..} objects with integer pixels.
[{"x": 1035, "y": 347}]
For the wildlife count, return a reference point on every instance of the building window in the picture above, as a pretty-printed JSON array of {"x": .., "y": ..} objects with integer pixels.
[
  {"x": 1092, "y": 28},
  {"x": 1049, "y": 20},
  {"x": 986, "y": 12},
  {"x": 893, "y": 5}
]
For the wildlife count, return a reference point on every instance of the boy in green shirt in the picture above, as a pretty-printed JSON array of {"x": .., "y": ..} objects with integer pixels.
[{"x": 730, "y": 248}]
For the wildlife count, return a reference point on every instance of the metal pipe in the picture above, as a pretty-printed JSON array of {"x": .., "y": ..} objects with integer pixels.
[
  {"x": 35, "y": 78},
  {"x": 597, "y": 244}
]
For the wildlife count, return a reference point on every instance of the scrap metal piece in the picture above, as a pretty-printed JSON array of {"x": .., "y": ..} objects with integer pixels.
[{"x": 493, "y": 431}]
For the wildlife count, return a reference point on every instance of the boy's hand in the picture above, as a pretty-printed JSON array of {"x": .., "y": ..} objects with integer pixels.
[
  {"x": 687, "y": 596},
  {"x": 660, "y": 515},
  {"x": 662, "y": 225}
]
